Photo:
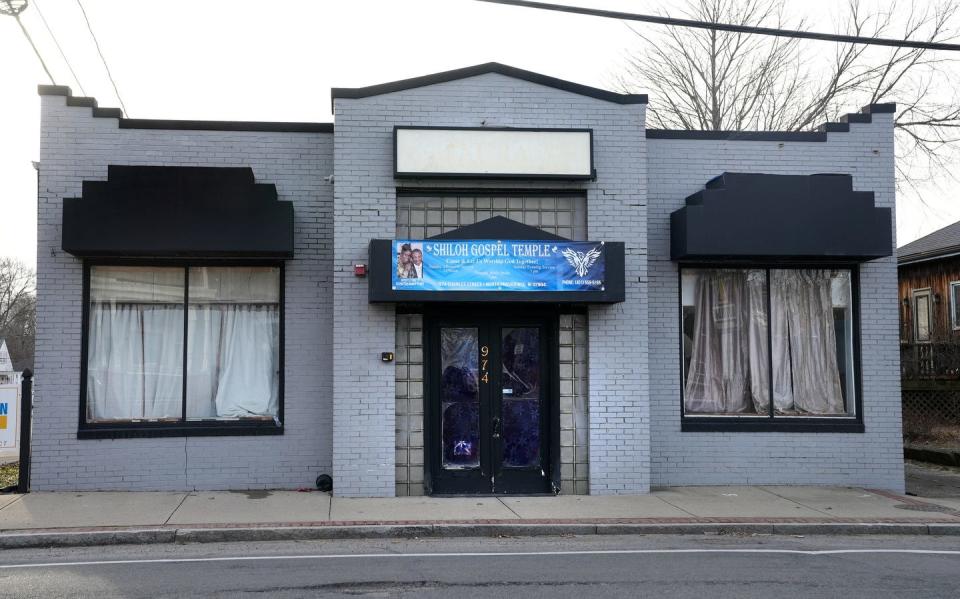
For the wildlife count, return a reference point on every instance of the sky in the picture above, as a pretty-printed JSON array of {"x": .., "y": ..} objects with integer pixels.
[{"x": 277, "y": 60}]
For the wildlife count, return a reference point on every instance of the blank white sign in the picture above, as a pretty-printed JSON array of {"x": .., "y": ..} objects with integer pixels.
[{"x": 489, "y": 152}]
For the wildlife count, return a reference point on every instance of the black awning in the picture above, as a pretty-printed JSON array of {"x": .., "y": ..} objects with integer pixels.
[
  {"x": 164, "y": 211},
  {"x": 791, "y": 217}
]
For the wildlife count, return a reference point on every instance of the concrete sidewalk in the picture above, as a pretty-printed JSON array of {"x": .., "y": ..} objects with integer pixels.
[{"x": 115, "y": 517}]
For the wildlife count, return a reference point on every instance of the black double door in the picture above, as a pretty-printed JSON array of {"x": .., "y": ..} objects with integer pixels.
[{"x": 489, "y": 402}]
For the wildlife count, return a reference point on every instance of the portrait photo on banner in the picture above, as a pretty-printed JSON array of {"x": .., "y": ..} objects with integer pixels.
[{"x": 410, "y": 260}]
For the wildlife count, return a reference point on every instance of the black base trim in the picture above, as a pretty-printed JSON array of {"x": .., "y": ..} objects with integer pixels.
[
  {"x": 270, "y": 126},
  {"x": 737, "y": 135},
  {"x": 201, "y": 429},
  {"x": 766, "y": 425},
  {"x": 818, "y": 135}
]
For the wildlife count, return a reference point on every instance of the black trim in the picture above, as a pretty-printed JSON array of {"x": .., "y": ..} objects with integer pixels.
[
  {"x": 269, "y": 126},
  {"x": 796, "y": 425},
  {"x": 819, "y": 135},
  {"x": 175, "y": 125},
  {"x": 498, "y": 192},
  {"x": 165, "y": 211},
  {"x": 141, "y": 430},
  {"x": 883, "y": 108},
  {"x": 737, "y": 135},
  {"x": 183, "y": 428},
  {"x": 772, "y": 422},
  {"x": 483, "y": 69},
  {"x": 499, "y": 227},
  {"x": 591, "y": 176}
]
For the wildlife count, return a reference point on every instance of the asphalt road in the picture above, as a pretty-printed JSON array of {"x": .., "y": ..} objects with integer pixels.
[{"x": 584, "y": 567}]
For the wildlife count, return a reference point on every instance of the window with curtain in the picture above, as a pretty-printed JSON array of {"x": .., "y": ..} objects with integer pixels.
[
  {"x": 767, "y": 342},
  {"x": 139, "y": 369}
]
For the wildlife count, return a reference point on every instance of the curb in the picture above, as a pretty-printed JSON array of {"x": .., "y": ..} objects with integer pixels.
[
  {"x": 87, "y": 538},
  {"x": 151, "y": 536},
  {"x": 935, "y": 456}
]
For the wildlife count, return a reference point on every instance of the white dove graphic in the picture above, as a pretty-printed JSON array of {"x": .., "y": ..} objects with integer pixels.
[{"x": 580, "y": 261}]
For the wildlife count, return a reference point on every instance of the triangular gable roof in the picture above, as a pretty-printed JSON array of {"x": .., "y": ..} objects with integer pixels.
[
  {"x": 6, "y": 364},
  {"x": 499, "y": 227},
  {"x": 483, "y": 69},
  {"x": 942, "y": 242}
]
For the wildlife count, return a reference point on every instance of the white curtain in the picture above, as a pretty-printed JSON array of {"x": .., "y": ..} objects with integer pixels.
[
  {"x": 729, "y": 341},
  {"x": 729, "y": 366},
  {"x": 134, "y": 368},
  {"x": 233, "y": 362},
  {"x": 806, "y": 373}
]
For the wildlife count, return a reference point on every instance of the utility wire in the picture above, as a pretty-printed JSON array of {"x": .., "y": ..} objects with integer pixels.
[
  {"x": 102, "y": 59},
  {"x": 14, "y": 11},
  {"x": 54, "y": 38},
  {"x": 771, "y": 31}
]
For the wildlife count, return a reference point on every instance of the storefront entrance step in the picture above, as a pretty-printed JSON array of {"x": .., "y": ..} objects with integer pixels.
[
  {"x": 583, "y": 506},
  {"x": 420, "y": 508}
]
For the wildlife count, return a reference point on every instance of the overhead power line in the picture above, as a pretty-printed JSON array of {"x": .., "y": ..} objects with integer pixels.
[
  {"x": 102, "y": 59},
  {"x": 13, "y": 8},
  {"x": 771, "y": 31},
  {"x": 62, "y": 54}
]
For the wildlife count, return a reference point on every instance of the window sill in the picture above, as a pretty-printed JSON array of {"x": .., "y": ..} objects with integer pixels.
[
  {"x": 198, "y": 429},
  {"x": 766, "y": 425}
]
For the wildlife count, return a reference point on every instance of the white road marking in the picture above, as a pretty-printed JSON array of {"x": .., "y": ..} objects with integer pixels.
[{"x": 187, "y": 560}]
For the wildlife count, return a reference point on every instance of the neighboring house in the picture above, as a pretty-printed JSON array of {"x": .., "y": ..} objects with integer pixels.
[
  {"x": 8, "y": 376},
  {"x": 479, "y": 281},
  {"x": 929, "y": 273}
]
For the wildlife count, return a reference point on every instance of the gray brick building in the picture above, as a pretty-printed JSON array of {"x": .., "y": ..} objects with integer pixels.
[{"x": 228, "y": 305}]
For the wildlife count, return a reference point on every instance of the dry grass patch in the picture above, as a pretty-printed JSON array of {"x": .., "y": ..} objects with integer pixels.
[{"x": 9, "y": 474}]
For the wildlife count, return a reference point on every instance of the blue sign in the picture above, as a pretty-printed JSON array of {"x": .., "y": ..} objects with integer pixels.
[{"x": 491, "y": 265}]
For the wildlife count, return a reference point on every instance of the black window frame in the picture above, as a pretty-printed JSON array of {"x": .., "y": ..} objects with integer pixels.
[
  {"x": 771, "y": 422},
  {"x": 182, "y": 428}
]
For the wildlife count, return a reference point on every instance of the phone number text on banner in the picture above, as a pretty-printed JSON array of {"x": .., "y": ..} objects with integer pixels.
[{"x": 490, "y": 265}]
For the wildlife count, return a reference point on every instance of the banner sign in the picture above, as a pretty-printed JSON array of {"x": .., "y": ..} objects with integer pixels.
[
  {"x": 491, "y": 265},
  {"x": 9, "y": 417}
]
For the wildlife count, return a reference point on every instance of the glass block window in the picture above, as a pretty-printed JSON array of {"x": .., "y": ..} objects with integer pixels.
[
  {"x": 574, "y": 413},
  {"x": 409, "y": 418},
  {"x": 422, "y": 216}
]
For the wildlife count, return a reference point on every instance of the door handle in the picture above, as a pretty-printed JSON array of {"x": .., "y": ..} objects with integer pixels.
[{"x": 496, "y": 428}]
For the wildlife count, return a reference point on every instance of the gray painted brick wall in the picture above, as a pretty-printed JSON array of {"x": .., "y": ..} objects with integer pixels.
[
  {"x": 340, "y": 398},
  {"x": 75, "y": 146},
  {"x": 678, "y": 168},
  {"x": 365, "y": 205}
]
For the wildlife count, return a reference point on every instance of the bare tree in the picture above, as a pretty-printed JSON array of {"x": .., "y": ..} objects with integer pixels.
[
  {"x": 716, "y": 80},
  {"x": 18, "y": 306}
]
